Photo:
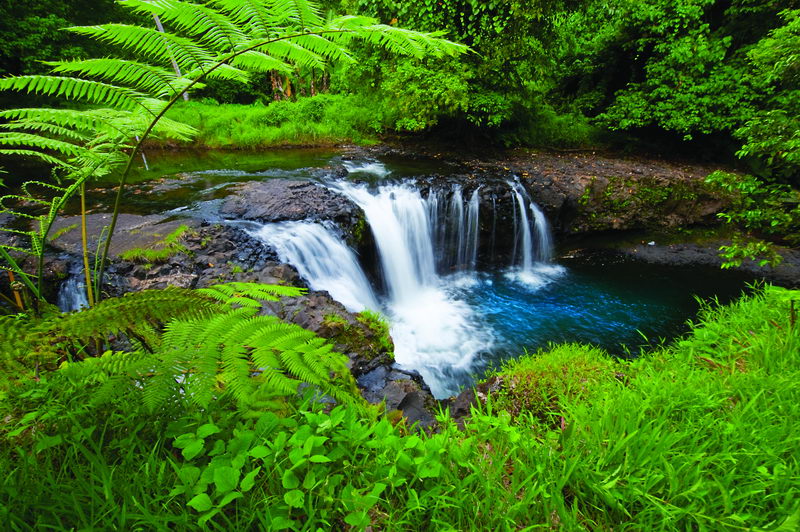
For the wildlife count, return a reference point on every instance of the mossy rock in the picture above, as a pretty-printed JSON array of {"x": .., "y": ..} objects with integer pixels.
[{"x": 535, "y": 385}]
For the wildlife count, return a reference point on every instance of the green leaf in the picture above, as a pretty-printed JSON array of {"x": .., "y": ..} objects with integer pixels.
[
  {"x": 207, "y": 430},
  {"x": 201, "y": 502},
  {"x": 319, "y": 459},
  {"x": 289, "y": 480},
  {"x": 226, "y": 478},
  {"x": 294, "y": 498},
  {"x": 258, "y": 452},
  {"x": 47, "y": 442},
  {"x": 357, "y": 519},
  {"x": 249, "y": 480},
  {"x": 193, "y": 449},
  {"x": 229, "y": 498}
]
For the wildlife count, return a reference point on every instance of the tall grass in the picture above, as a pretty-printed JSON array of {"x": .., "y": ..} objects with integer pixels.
[
  {"x": 319, "y": 120},
  {"x": 699, "y": 435}
]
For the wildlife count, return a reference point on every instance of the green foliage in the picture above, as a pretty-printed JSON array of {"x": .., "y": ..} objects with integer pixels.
[
  {"x": 380, "y": 328},
  {"x": 321, "y": 119},
  {"x": 160, "y": 251},
  {"x": 224, "y": 39},
  {"x": 694, "y": 435},
  {"x": 224, "y": 348},
  {"x": 535, "y": 384},
  {"x": 773, "y": 134},
  {"x": 768, "y": 211},
  {"x": 53, "y": 337}
]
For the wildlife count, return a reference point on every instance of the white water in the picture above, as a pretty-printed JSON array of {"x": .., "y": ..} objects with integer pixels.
[
  {"x": 434, "y": 332},
  {"x": 370, "y": 167},
  {"x": 323, "y": 260},
  {"x": 428, "y": 249},
  {"x": 72, "y": 293},
  {"x": 532, "y": 268}
]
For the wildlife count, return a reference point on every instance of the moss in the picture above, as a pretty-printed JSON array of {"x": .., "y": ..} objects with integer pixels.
[
  {"x": 160, "y": 251},
  {"x": 536, "y": 384},
  {"x": 359, "y": 230},
  {"x": 368, "y": 338},
  {"x": 380, "y": 327}
]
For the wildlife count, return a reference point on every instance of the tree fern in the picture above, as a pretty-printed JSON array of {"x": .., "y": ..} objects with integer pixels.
[
  {"x": 213, "y": 39},
  {"x": 213, "y": 345}
]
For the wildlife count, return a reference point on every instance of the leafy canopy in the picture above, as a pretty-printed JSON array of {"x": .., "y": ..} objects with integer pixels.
[{"x": 129, "y": 93}]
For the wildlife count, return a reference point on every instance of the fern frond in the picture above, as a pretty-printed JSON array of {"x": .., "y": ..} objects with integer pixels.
[
  {"x": 44, "y": 157},
  {"x": 252, "y": 14},
  {"x": 147, "y": 78},
  {"x": 215, "y": 29},
  {"x": 46, "y": 127},
  {"x": 78, "y": 89},
  {"x": 134, "y": 313},
  {"x": 299, "y": 13},
  {"x": 255, "y": 61},
  {"x": 148, "y": 42},
  {"x": 32, "y": 140},
  {"x": 294, "y": 53},
  {"x": 233, "y": 293}
]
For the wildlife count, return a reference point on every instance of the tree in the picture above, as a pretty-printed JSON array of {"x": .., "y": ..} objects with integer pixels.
[{"x": 130, "y": 93}]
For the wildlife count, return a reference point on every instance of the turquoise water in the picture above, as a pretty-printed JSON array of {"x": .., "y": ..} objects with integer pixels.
[{"x": 619, "y": 305}]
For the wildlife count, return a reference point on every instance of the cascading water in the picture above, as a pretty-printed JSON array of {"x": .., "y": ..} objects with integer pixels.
[
  {"x": 427, "y": 246},
  {"x": 323, "y": 260},
  {"x": 374, "y": 168},
  {"x": 72, "y": 293},
  {"x": 530, "y": 262}
]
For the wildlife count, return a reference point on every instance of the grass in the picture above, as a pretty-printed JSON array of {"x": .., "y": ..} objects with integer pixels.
[
  {"x": 160, "y": 251},
  {"x": 324, "y": 119},
  {"x": 698, "y": 435}
]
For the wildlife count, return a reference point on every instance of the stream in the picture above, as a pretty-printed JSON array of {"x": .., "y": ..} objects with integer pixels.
[{"x": 455, "y": 310}]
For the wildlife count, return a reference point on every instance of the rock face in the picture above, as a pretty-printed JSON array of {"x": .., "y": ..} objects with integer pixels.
[
  {"x": 587, "y": 192},
  {"x": 280, "y": 200},
  {"x": 694, "y": 254},
  {"x": 370, "y": 361}
]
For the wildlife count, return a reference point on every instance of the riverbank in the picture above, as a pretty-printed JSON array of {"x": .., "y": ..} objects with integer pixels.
[{"x": 693, "y": 435}]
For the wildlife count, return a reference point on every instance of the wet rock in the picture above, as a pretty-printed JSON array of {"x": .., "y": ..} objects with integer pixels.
[
  {"x": 133, "y": 231},
  {"x": 707, "y": 254},
  {"x": 280, "y": 200},
  {"x": 401, "y": 390}
]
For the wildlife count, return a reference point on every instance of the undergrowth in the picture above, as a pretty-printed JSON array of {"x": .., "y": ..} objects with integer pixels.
[
  {"x": 317, "y": 120},
  {"x": 698, "y": 435}
]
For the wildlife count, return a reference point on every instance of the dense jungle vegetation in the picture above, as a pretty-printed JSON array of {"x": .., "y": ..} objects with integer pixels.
[{"x": 188, "y": 409}]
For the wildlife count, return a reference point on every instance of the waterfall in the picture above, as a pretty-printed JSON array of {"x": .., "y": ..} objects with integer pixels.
[
  {"x": 522, "y": 227},
  {"x": 421, "y": 240},
  {"x": 529, "y": 266},
  {"x": 434, "y": 332},
  {"x": 323, "y": 260},
  {"x": 72, "y": 292}
]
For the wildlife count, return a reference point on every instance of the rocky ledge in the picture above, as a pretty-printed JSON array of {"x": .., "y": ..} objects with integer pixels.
[
  {"x": 279, "y": 200},
  {"x": 219, "y": 253}
]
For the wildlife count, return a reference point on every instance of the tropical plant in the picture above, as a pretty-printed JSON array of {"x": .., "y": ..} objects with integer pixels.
[
  {"x": 202, "y": 343},
  {"x": 215, "y": 39}
]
